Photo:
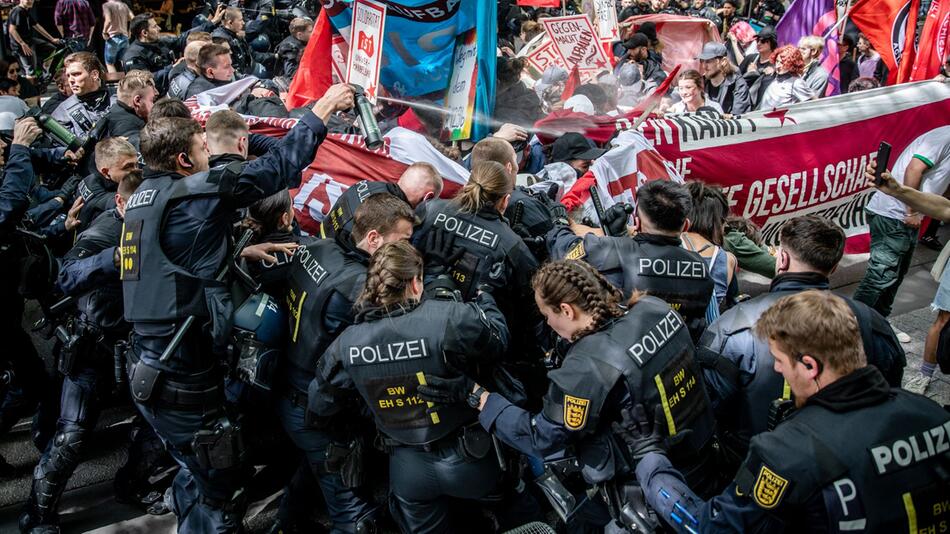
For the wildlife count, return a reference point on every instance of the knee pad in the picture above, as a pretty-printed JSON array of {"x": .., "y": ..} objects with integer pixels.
[
  {"x": 368, "y": 523},
  {"x": 64, "y": 454}
]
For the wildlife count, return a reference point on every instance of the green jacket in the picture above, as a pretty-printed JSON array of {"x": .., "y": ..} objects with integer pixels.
[{"x": 751, "y": 257}]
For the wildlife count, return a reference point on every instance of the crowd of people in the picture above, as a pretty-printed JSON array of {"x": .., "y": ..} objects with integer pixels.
[{"x": 489, "y": 357}]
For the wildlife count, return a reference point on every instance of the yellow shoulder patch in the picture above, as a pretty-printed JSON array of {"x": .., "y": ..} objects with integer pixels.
[
  {"x": 577, "y": 252},
  {"x": 769, "y": 488},
  {"x": 575, "y": 412}
]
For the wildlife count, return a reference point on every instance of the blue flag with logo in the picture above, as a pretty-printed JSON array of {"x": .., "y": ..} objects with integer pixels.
[{"x": 419, "y": 42}]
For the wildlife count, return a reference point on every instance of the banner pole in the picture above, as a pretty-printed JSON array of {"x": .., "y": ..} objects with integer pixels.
[{"x": 563, "y": 7}]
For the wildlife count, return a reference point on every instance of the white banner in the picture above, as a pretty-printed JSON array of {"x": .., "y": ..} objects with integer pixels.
[
  {"x": 366, "y": 43},
  {"x": 576, "y": 42}
]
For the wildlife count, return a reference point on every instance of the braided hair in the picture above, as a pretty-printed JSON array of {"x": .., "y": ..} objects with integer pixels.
[
  {"x": 576, "y": 283},
  {"x": 391, "y": 269}
]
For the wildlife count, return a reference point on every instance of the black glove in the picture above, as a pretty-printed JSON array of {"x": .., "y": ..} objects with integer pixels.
[
  {"x": 615, "y": 219},
  {"x": 639, "y": 434},
  {"x": 446, "y": 390},
  {"x": 558, "y": 214},
  {"x": 439, "y": 253}
]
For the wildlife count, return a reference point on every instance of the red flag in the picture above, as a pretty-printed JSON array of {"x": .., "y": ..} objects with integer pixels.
[
  {"x": 573, "y": 82},
  {"x": 540, "y": 3},
  {"x": 313, "y": 75},
  {"x": 650, "y": 102},
  {"x": 932, "y": 47},
  {"x": 884, "y": 23},
  {"x": 908, "y": 55}
]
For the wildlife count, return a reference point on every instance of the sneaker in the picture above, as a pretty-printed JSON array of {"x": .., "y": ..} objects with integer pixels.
[
  {"x": 918, "y": 383},
  {"x": 931, "y": 242},
  {"x": 903, "y": 337}
]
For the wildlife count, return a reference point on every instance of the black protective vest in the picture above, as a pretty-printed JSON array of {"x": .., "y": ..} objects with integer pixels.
[
  {"x": 154, "y": 288},
  {"x": 80, "y": 117},
  {"x": 101, "y": 307},
  {"x": 647, "y": 263},
  {"x": 340, "y": 218},
  {"x": 492, "y": 249},
  {"x": 317, "y": 272},
  {"x": 389, "y": 357},
  {"x": 650, "y": 353},
  {"x": 98, "y": 194},
  {"x": 879, "y": 469},
  {"x": 748, "y": 415}
]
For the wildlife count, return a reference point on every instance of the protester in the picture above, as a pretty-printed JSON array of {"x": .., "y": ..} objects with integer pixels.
[
  {"x": 812, "y": 48},
  {"x": 925, "y": 166},
  {"x": 788, "y": 87},
  {"x": 723, "y": 84},
  {"x": 638, "y": 53},
  {"x": 690, "y": 87},
  {"x": 705, "y": 236},
  {"x": 727, "y": 16},
  {"x": 847, "y": 67},
  {"x": 757, "y": 69},
  {"x": 743, "y": 240}
]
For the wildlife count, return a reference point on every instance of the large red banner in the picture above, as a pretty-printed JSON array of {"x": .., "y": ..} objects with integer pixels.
[{"x": 806, "y": 159}]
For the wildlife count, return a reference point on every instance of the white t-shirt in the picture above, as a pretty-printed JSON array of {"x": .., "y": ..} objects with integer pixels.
[
  {"x": 933, "y": 149},
  {"x": 680, "y": 107}
]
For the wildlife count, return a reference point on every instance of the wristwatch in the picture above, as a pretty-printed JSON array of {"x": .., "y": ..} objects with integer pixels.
[{"x": 475, "y": 397}]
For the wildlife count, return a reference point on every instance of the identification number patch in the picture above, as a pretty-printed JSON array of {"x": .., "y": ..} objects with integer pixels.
[
  {"x": 575, "y": 412},
  {"x": 129, "y": 250},
  {"x": 395, "y": 401}
]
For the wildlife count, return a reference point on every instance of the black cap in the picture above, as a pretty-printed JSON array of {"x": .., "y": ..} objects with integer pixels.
[
  {"x": 766, "y": 33},
  {"x": 574, "y": 146},
  {"x": 648, "y": 29},
  {"x": 637, "y": 40}
]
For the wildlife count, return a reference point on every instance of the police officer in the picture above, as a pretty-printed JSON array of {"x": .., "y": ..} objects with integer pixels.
[
  {"x": 856, "y": 455},
  {"x": 420, "y": 182},
  {"x": 528, "y": 211},
  {"x": 174, "y": 244},
  {"x": 90, "y": 100},
  {"x": 232, "y": 29},
  {"x": 146, "y": 51},
  {"x": 744, "y": 389},
  {"x": 291, "y": 48},
  {"x": 325, "y": 279},
  {"x": 492, "y": 253},
  {"x": 114, "y": 159},
  {"x": 134, "y": 100},
  {"x": 617, "y": 358},
  {"x": 653, "y": 260},
  {"x": 22, "y": 374},
  {"x": 269, "y": 257},
  {"x": 89, "y": 272},
  {"x": 399, "y": 340}
]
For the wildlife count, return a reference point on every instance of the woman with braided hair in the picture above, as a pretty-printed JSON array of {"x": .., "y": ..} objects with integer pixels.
[
  {"x": 618, "y": 356},
  {"x": 398, "y": 341}
]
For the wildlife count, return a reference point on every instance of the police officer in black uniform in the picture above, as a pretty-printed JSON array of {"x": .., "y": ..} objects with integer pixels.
[
  {"x": 175, "y": 245},
  {"x": 324, "y": 281},
  {"x": 653, "y": 260},
  {"x": 89, "y": 272},
  {"x": 436, "y": 453},
  {"x": 114, "y": 159},
  {"x": 232, "y": 29},
  {"x": 744, "y": 389},
  {"x": 420, "y": 182},
  {"x": 90, "y": 99},
  {"x": 856, "y": 455},
  {"x": 291, "y": 48},
  {"x": 22, "y": 374},
  {"x": 146, "y": 51},
  {"x": 617, "y": 358}
]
